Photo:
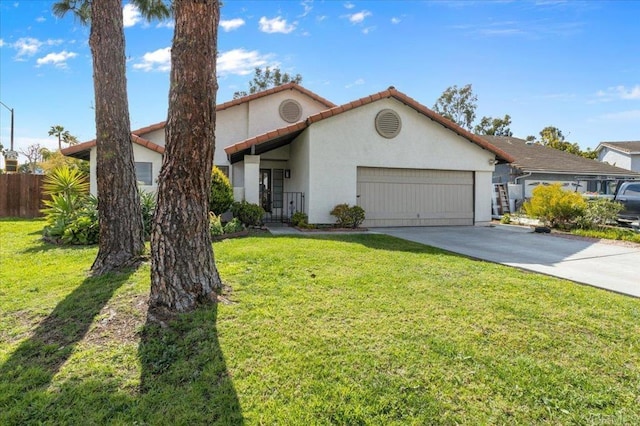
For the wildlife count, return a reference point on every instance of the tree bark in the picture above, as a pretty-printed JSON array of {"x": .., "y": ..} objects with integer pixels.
[
  {"x": 183, "y": 270},
  {"x": 121, "y": 231}
]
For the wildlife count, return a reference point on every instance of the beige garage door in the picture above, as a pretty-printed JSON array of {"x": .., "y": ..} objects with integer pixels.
[{"x": 413, "y": 197}]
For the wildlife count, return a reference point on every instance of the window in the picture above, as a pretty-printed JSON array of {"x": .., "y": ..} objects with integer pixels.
[
  {"x": 144, "y": 174},
  {"x": 224, "y": 170},
  {"x": 633, "y": 190}
]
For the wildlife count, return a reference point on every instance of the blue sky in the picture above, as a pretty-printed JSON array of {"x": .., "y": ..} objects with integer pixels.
[{"x": 571, "y": 64}]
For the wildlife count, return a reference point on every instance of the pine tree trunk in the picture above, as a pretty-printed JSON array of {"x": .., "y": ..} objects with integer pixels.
[
  {"x": 183, "y": 270},
  {"x": 121, "y": 231}
]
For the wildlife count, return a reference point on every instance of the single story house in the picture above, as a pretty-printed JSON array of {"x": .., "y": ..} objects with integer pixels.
[
  {"x": 535, "y": 164},
  {"x": 289, "y": 149},
  {"x": 621, "y": 154}
]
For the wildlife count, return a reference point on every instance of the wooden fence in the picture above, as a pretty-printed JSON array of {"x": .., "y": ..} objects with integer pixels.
[{"x": 20, "y": 195}]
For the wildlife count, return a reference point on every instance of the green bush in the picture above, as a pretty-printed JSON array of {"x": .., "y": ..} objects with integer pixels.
[
  {"x": 247, "y": 213},
  {"x": 348, "y": 217},
  {"x": 598, "y": 213},
  {"x": 555, "y": 206},
  {"x": 233, "y": 226},
  {"x": 215, "y": 225},
  {"x": 300, "y": 219},
  {"x": 71, "y": 214},
  {"x": 221, "y": 194},
  {"x": 506, "y": 219},
  {"x": 148, "y": 207}
]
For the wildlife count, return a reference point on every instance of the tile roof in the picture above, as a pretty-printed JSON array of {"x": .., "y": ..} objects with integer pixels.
[
  {"x": 81, "y": 150},
  {"x": 628, "y": 147},
  {"x": 391, "y": 92},
  {"x": 86, "y": 146},
  {"x": 530, "y": 157}
]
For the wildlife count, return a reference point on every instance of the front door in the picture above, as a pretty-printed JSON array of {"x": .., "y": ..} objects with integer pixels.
[{"x": 265, "y": 189}]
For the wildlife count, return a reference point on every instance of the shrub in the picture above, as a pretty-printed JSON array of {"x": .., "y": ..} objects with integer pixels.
[
  {"x": 221, "y": 194},
  {"x": 233, "y": 226},
  {"x": 71, "y": 214},
  {"x": 247, "y": 213},
  {"x": 148, "y": 207},
  {"x": 300, "y": 219},
  {"x": 598, "y": 213},
  {"x": 555, "y": 206},
  {"x": 84, "y": 228},
  {"x": 348, "y": 217},
  {"x": 506, "y": 219},
  {"x": 215, "y": 225}
]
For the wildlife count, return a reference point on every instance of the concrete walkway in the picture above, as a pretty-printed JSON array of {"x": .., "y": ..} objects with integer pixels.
[{"x": 609, "y": 266}]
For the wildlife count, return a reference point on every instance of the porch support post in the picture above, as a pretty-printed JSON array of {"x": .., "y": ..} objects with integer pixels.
[{"x": 252, "y": 178}]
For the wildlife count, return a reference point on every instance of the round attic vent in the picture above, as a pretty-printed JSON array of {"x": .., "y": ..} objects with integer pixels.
[
  {"x": 388, "y": 123},
  {"x": 290, "y": 111}
]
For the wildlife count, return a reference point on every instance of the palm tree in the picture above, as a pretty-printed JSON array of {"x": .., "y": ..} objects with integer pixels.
[
  {"x": 121, "y": 240},
  {"x": 57, "y": 131},
  {"x": 63, "y": 136}
]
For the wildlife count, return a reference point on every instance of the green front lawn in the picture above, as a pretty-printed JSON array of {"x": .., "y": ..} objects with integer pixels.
[{"x": 340, "y": 329}]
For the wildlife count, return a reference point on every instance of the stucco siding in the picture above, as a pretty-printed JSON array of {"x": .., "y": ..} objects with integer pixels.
[
  {"x": 615, "y": 158},
  {"x": 342, "y": 143},
  {"x": 142, "y": 154},
  {"x": 298, "y": 161}
]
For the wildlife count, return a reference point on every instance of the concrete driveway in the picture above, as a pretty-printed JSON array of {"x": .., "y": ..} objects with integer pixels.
[{"x": 610, "y": 266}]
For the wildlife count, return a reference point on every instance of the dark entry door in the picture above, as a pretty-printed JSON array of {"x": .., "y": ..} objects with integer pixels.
[{"x": 265, "y": 189}]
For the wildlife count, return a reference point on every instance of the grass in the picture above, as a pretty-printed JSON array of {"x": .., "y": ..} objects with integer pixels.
[
  {"x": 610, "y": 234},
  {"x": 339, "y": 329}
]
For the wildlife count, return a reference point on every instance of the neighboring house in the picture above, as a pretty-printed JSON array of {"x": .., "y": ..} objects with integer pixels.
[
  {"x": 535, "y": 164},
  {"x": 621, "y": 154},
  {"x": 289, "y": 150}
]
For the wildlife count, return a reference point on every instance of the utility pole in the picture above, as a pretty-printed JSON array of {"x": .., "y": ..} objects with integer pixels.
[{"x": 10, "y": 157}]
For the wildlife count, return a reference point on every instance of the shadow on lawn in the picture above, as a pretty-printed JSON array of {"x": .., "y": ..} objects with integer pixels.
[
  {"x": 183, "y": 366},
  {"x": 183, "y": 371},
  {"x": 32, "y": 366}
]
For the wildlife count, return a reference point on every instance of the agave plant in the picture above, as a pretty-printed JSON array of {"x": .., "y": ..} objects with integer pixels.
[{"x": 66, "y": 181}]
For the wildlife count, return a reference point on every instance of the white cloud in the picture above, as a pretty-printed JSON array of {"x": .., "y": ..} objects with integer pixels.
[
  {"x": 41, "y": 19},
  {"x": 231, "y": 24},
  {"x": 240, "y": 62},
  {"x": 358, "y": 18},
  {"x": 619, "y": 92},
  {"x": 308, "y": 6},
  {"x": 395, "y": 20},
  {"x": 236, "y": 61},
  {"x": 59, "y": 60},
  {"x": 276, "y": 25},
  {"x": 1, "y": 42},
  {"x": 166, "y": 24},
  {"x": 27, "y": 46},
  {"x": 349, "y": 5},
  {"x": 158, "y": 60},
  {"x": 130, "y": 15},
  {"x": 368, "y": 30},
  {"x": 358, "y": 82}
]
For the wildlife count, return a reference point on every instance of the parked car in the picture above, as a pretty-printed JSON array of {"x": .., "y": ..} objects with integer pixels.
[{"x": 628, "y": 194}]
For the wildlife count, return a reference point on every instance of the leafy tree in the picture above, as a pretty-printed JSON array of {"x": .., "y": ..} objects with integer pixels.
[
  {"x": 52, "y": 160},
  {"x": 494, "y": 126},
  {"x": 458, "y": 105},
  {"x": 62, "y": 135},
  {"x": 552, "y": 137},
  {"x": 266, "y": 79},
  {"x": 183, "y": 270},
  {"x": 121, "y": 229}
]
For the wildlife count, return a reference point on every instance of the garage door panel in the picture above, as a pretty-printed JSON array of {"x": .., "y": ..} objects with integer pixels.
[{"x": 413, "y": 197}]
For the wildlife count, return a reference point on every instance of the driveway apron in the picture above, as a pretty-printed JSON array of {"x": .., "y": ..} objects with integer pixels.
[{"x": 614, "y": 267}]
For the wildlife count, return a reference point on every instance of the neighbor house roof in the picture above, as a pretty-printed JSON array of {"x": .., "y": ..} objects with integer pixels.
[
  {"x": 82, "y": 150},
  {"x": 533, "y": 157},
  {"x": 628, "y": 147},
  {"x": 285, "y": 135},
  {"x": 79, "y": 151}
]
